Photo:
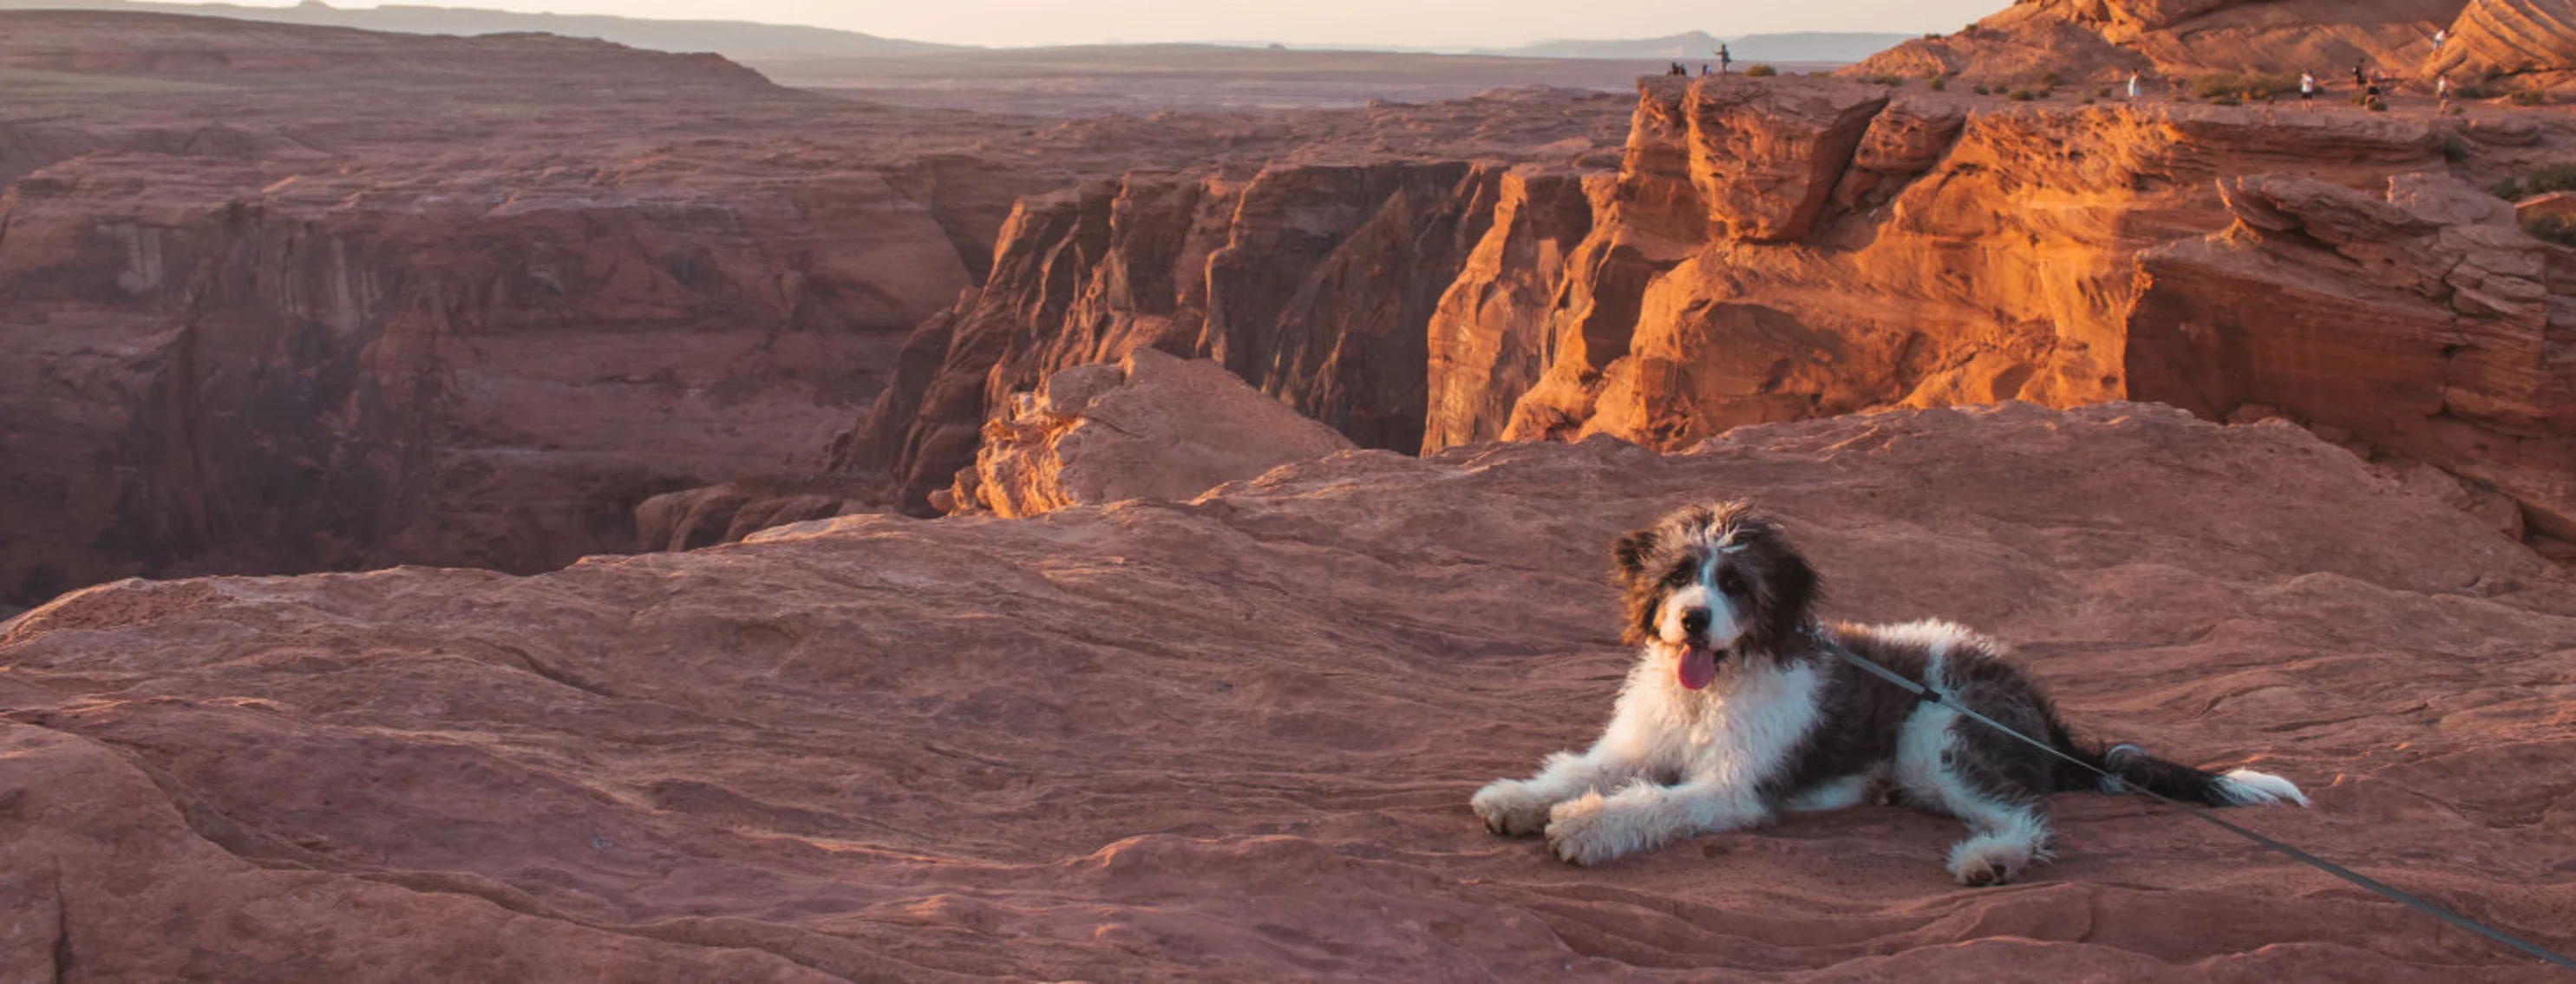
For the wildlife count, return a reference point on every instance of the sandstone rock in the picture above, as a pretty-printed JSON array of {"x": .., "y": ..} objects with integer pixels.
[
  {"x": 2503, "y": 131},
  {"x": 1148, "y": 427},
  {"x": 2509, "y": 37},
  {"x": 1927, "y": 291},
  {"x": 1906, "y": 140},
  {"x": 2445, "y": 200},
  {"x": 2438, "y": 341},
  {"x": 1314, "y": 283},
  {"x": 703, "y": 517},
  {"x": 1966, "y": 254},
  {"x": 1488, "y": 336},
  {"x": 1235, "y": 738},
  {"x": 2107, "y": 40},
  {"x": 2555, "y": 203},
  {"x": 1766, "y": 155}
]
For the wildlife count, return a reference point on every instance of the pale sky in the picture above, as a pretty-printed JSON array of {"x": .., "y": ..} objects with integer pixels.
[{"x": 1394, "y": 23}]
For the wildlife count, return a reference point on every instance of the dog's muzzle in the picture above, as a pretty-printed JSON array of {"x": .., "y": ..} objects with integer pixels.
[{"x": 1698, "y": 665}]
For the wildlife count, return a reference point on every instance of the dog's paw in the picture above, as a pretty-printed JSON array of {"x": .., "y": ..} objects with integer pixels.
[
  {"x": 1581, "y": 831},
  {"x": 1509, "y": 808},
  {"x": 1996, "y": 859}
]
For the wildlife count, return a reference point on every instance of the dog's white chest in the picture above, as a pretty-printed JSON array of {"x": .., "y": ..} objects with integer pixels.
[{"x": 1756, "y": 725}]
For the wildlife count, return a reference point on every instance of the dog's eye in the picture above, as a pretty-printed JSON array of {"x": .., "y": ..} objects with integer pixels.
[
  {"x": 1678, "y": 578},
  {"x": 1732, "y": 583}
]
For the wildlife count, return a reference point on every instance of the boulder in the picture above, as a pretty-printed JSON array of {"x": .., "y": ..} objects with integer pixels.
[{"x": 1151, "y": 426}]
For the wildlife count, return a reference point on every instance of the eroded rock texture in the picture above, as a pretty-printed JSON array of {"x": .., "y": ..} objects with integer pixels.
[{"x": 1234, "y": 739}]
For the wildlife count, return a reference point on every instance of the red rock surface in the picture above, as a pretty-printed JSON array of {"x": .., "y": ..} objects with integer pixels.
[
  {"x": 1149, "y": 426},
  {"x": 1235, "y": 739}
]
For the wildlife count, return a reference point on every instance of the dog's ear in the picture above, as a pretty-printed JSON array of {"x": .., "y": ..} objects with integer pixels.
[
  {"x": 1790, "y": 586},
  {"x": 1628, "y": 555}
]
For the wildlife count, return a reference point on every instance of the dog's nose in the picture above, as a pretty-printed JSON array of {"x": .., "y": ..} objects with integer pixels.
[{"x": 1695, "y": 620}]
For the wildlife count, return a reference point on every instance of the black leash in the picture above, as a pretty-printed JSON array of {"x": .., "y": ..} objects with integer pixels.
[{"x": 1924, "y": 693}]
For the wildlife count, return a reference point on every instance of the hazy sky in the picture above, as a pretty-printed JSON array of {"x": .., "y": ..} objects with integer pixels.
[{"x": 1401, "y": 23}]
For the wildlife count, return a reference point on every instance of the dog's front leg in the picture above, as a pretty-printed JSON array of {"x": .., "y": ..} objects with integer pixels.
[
  {"x": 1642, "y": 816},
  {"x": 1519, "y": 807}
]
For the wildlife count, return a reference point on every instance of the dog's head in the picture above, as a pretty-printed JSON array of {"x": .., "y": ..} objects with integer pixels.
[{"x": 1713, "y": 582}]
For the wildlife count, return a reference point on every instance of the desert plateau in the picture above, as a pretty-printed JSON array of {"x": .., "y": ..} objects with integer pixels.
[{"x": 589, "y": 498}]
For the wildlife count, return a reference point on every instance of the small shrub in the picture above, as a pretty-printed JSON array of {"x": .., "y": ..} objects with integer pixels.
[
  {"x": 1931, "y": 35},
  {"x": 1759, "y": 70},
  {"x": 2049, "y": 79},
  {"x": 1983, "y": 91},
  {"x": 2507, "y": 189},
  {"x": 2022, "y": 96},
  {"x": 2558, "y": 229},
  {"x": 2470, "y": 91},
  {"x": 2102, "y": 93},
  {"x": 1890, "y": 79},
  {"x": 1938, "y": 84},
  {"x": 2527, "y": 97},
  {"x": 2379, "y": 105},
  {"x": 2552, "y": 177},
  {"x": 2453, "y": 149}
]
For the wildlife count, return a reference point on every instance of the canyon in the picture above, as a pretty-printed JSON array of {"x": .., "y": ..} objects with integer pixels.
[
  {"x": 518, "y": 507},
  {"x": 525, "y": 321},
  {"x": 293, "y": 298}
]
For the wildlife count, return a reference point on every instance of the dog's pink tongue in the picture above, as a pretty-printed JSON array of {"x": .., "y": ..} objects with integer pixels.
[{"x": 1699, "y": 666}]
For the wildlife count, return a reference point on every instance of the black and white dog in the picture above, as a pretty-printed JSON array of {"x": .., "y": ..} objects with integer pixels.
[{"x": 1737, "y": 710}]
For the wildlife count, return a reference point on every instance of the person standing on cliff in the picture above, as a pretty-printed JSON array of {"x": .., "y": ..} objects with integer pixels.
[
  {"x": 2307, "y": 89},
  {"x": 2440, "y": 34},
  {"x": 1725, "y": 60},
  {"x": 2133, "y": 87},
  {"x": 2360, "y": 79}
]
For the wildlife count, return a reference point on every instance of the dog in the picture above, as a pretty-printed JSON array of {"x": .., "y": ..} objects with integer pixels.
[{"x": 1738, "y": 710}]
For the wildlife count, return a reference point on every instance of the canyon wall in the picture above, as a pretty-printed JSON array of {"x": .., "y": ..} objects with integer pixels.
[
  {"x": 1311, "y": 281},
  {"x": 1776, "y": 250},
  {"x": 254, "y": 380},
  {"x": 288, "y": 299},
  {"x": 304, "y": 299}
]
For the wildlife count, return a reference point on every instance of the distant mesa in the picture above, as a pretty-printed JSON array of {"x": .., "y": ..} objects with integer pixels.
[{"x": 730, "y": 38}]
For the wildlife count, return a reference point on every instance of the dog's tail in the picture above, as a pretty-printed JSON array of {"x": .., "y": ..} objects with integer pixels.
[{"x": 2173, "y": 780}]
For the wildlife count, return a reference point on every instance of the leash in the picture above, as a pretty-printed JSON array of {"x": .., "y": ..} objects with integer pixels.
[{"x": 1923, "y": 693}]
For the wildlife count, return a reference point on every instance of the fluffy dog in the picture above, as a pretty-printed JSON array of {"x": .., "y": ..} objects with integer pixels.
[{"x": 1738, "y": 710}]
